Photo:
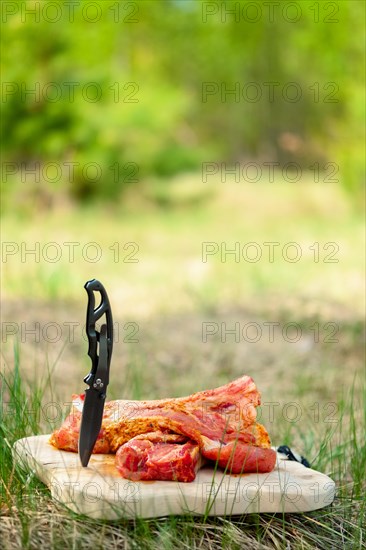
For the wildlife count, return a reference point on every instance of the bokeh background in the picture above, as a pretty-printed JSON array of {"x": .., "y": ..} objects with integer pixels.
[
  {"x": 136, "y": 132},
  {"x": 141, "y": 82}
]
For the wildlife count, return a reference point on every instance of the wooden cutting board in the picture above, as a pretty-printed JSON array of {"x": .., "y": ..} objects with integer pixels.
[{"x": 98, "y": 491}]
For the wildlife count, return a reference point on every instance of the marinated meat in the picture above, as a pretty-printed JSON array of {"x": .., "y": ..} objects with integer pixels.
[{"x": 219, "y": 424}]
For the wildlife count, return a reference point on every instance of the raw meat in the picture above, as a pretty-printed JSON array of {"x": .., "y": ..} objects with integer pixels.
[
  {"x": 221, "y": 422},
  {"x": 157, "y": 455}
]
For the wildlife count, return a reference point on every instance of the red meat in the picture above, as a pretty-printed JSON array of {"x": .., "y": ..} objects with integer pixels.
[{"x": 221, "y": 423}]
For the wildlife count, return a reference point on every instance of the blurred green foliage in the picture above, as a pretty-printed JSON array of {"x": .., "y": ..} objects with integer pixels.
[{"x": 142, "y": 88}]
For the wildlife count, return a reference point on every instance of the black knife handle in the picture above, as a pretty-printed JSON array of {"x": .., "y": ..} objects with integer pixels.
[{"x": 93, "y": 314}]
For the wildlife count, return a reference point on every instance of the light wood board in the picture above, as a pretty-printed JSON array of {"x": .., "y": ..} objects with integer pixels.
[{"x": 99, "y": 491}]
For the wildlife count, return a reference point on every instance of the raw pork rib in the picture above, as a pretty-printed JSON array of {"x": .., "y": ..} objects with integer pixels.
[
  {"x": 158, "y": 455},
  {"x": 163, "y": 439}
]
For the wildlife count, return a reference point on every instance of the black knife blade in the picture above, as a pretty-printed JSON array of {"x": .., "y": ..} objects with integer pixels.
[
  {"x": 98, "y": 378},
  {"x": 93, "y": 408}
]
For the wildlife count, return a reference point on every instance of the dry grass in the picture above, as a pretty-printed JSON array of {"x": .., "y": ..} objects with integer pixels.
[{"x": 49, "y": 526}]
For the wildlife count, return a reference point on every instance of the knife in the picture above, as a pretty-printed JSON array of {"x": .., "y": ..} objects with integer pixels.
[{"x": 98, "y": 378}]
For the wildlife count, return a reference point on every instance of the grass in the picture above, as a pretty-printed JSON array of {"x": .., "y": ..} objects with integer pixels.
[
  {"x": 30, "y": 517},
  {"x": 169, "y": 249},
  {"x": 169, "y": 294}
]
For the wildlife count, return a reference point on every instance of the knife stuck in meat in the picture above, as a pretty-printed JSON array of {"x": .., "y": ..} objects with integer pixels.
[{"x": 98, "y": 378}]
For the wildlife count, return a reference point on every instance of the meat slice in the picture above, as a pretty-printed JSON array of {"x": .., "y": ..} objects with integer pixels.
[
  {"x": 222, "y": 422},
  {"x": 156, "y": 455},
  {"x": 67, "y": 437}
]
